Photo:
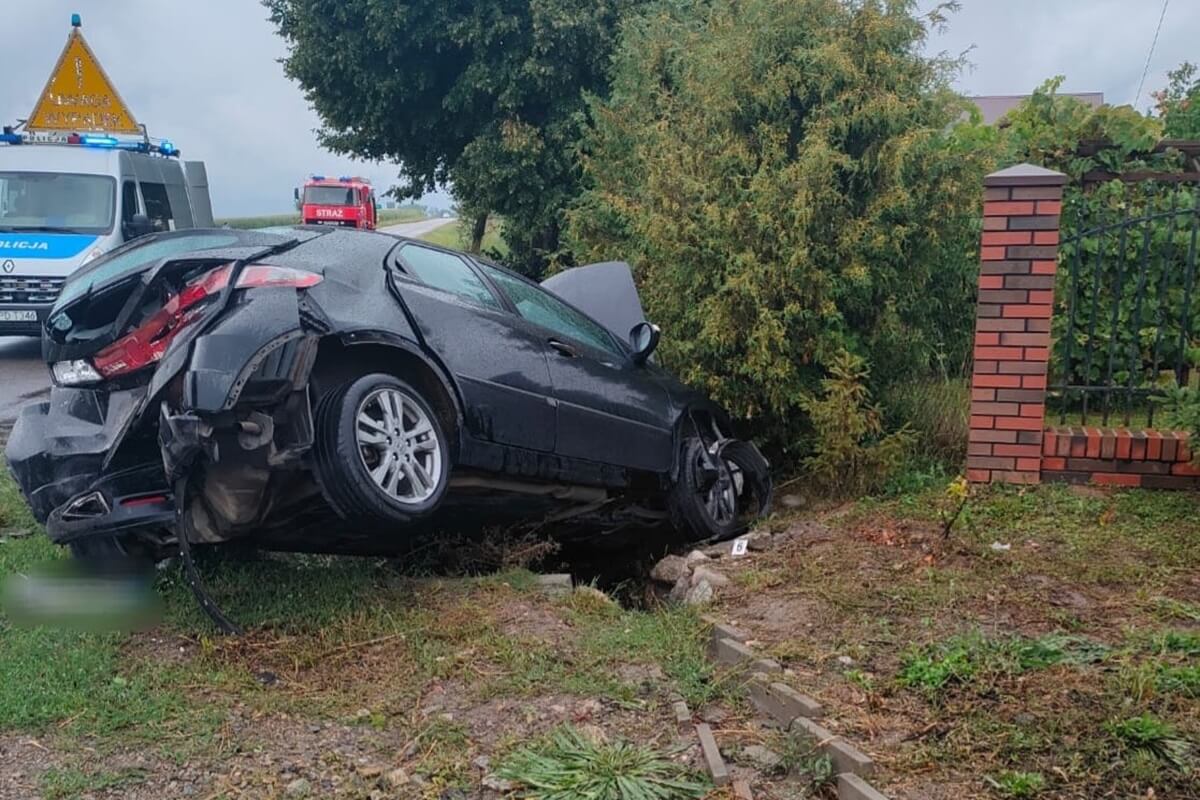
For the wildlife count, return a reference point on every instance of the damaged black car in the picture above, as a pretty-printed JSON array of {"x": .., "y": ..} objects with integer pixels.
[{"x": 339, "y": 391}]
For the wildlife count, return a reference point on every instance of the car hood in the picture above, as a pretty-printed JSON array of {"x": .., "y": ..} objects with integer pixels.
[{"x": 604, "y": 291}]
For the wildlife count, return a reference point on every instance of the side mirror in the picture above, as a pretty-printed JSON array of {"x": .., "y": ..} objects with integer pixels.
[
  {"x": 296, "y": 192},
  {"x": 138, "y": 225},
  {"x": 643, "y": 338}
]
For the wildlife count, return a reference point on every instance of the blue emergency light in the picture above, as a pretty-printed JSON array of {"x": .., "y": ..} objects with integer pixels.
[
  {"x": 318, "y": 177},
  {"x": 89, "y": 140},
  {"x": 344, "y": 179},
  {"x": 76, "y": 21}
]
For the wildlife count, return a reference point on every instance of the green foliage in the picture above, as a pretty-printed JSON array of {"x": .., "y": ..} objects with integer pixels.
[
  {"x": 485, "y": 95},
  {"x": 567, "y": 766},
  {"x": 1018, "y": 785},
  {"x": 1179, "y": 103},
  {"x": 937, "y": 410},
  {"x": 1151, "y": 735},
  {"x": 809, "y": 196},
  {"x": 850, "y": 453},
  {"x": 974, "y": 658},
  {"x": 1048, "y": 128}
]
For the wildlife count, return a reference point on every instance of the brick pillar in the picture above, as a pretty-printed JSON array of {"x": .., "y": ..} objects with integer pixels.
[{"x": 1018, "y": 255}]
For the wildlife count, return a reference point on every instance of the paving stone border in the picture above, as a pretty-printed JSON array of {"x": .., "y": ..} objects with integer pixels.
[{"x": 793, "y": 711}]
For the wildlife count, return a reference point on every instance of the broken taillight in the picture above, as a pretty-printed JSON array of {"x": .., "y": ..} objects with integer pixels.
[{"x": 146, "y": 344}]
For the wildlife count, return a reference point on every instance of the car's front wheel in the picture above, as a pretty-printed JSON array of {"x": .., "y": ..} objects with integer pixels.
[{"x": 380, "y": 450}]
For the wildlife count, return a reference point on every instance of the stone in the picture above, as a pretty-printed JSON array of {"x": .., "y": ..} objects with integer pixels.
[
  {"x": 670, "y": 569},
  {"x": 741, "y": 789},
  {"x": 482, "y": 763},
  {"x": 556, "y": 585},
  {"x": 699, "y": 595},
  {"x": 497, "y": 784},
  {"x": 732, "y": 653},
  {"x": 709, "y": 574},
  {"x": 759, "y": 541},
  {"x": 696, "y": 557},
  {"x": 397, "y": 777},
  {"x": 712, "y": 755},
  {"x": 298, "y": 788},
  {"x": 792, "y": 501},
  {"x": 852, "y": 787},
  {"x": 679, "y": 590},
  {"x": 845, "y": 661},
  {"x": 781, "y": 702},
  {"x": 683, "y": 716},
  {"x": 370, "y": 771},
  {"x": 762, "y": 757}
]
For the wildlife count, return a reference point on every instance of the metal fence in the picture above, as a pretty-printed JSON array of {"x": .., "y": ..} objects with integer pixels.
[{"x": 1126, "y": 308}]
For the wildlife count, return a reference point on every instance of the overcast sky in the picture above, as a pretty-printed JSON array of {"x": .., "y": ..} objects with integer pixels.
[{"x": 205, "y": 74}]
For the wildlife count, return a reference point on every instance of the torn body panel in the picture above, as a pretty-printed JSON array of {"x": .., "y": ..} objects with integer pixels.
[{"x": 221, "y": 435}]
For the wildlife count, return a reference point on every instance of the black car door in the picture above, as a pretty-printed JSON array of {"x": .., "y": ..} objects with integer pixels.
[
  {"x": 609, "y": 409},
  {"x": 499, "y": 362}
]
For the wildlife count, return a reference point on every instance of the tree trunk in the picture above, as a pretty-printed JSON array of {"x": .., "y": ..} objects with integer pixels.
[{"x": 477, "y": 232}]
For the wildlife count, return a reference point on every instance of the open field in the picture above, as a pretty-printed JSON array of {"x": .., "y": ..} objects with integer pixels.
[
  {"x": 457, "y": 237},
  {"x": 387, "y": 216}
]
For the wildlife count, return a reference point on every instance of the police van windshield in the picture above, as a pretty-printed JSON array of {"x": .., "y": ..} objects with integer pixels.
[
  {"x": 56, "y": 202},
  {"x": 329, "y": 196}
]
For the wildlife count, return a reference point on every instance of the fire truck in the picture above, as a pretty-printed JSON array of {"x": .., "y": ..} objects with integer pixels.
[{"x": 337, "y": 201}]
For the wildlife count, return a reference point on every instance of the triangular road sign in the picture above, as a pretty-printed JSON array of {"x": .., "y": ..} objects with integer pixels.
[{"x": 79, "y": 96}]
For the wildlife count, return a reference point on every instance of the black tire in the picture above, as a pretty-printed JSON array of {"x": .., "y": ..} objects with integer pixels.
[
  {"x": 691, "y": 494},
  {"x": 341, "y": 457}
]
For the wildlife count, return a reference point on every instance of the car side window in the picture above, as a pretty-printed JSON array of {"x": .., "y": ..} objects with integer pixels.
[
  {"x": 446, "y": 271},
  {"x": 542, "y": 308},
  {"x": 158, "y": 207}
]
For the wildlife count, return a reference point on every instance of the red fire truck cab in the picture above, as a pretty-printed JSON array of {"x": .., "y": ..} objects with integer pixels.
[{"x": 337, "y": 201}]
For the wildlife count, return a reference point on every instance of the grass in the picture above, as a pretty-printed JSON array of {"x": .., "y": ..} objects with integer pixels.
[
  {"x": 342, "y": 641},
  {"x": 567, "y": 765},
  {"x": 386, "y": 216},
  {"x": 457, "y": 236},
  {"x": 984, "y": 666},
  {"x": 66, "y": 782}
]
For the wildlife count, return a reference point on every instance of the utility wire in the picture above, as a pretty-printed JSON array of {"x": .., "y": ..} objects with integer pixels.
[{"x": 1153, "y": 44}]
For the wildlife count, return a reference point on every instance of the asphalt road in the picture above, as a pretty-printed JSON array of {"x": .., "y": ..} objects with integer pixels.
[
  {"x": 415, "y": 229},
  {"x": 23, "y": 376}
]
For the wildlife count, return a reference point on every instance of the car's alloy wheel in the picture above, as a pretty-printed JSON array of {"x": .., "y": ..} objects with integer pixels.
[
  {"x": 380, "y": 452},
  {"x": 398, "y": 446},
  {"x": 708, "y": 493}
]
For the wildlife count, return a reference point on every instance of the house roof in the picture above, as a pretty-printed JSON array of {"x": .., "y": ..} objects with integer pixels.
[{"x": 995, "y": 106}]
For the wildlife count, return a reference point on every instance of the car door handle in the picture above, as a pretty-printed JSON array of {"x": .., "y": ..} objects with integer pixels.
[{"x": 563, "y": 349}]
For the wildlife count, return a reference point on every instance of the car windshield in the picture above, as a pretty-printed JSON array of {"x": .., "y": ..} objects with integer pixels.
[
  {"x": 135, "y": 256},
  {"x": 51, "y": 201},
  {"x": 329, "y": 196}
]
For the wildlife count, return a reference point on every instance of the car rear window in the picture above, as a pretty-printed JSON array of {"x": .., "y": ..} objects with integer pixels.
[{"x": 136, "y": 256}]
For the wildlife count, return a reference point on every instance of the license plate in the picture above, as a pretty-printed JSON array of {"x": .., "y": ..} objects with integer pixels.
[{"x": 18, "y": 316}]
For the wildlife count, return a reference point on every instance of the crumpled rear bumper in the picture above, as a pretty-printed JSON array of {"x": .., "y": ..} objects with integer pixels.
[{"x": 58, "y": 452}]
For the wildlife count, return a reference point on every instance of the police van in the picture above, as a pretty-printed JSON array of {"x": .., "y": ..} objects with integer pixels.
[{"x": 64, "y": 203}]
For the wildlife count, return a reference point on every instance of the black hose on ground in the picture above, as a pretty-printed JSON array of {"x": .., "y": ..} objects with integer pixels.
[{"x": 195, "y": 583}]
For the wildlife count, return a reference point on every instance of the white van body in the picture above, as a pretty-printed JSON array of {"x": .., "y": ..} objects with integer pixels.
[{"x": 61, "y": 205}]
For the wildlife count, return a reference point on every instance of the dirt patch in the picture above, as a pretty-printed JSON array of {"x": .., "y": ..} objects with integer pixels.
[{"x": 1010, "y": 649}]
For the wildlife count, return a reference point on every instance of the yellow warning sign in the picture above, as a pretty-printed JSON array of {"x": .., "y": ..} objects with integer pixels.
[{"x": 79, "y": 96}]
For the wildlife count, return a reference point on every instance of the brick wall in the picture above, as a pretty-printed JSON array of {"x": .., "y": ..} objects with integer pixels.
[
  {"x": 1018, "y": 254},
  {"x": 1119, "y": 457}
]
